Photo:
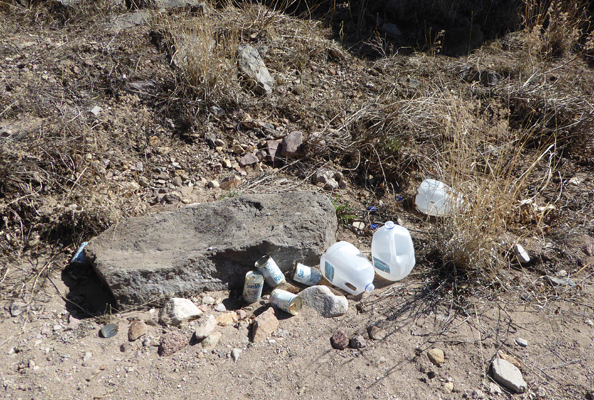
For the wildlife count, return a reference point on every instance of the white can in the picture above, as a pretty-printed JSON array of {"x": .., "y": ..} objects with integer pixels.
[
  {"x": 252, "y": 288},
  {"x": 286, "y": 301},
  {"x": 306, "y": 275},
  {"x": 270, "y": 270}
]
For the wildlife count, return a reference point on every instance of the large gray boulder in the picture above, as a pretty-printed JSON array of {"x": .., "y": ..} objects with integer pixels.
[
  {"x": 210, "y": 246},
  {"x": 254, "y": 70}
]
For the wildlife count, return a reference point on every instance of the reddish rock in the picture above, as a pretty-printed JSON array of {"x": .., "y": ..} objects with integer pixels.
[
  {"x": 291, "y": 144},
  {"x": 274, "y": 148},
  {"x": 339, "y": 340},
  {"x": 172, "y": 342},
  {"x": 248, "y": 159},
  {"x": 264, "y": 325}
]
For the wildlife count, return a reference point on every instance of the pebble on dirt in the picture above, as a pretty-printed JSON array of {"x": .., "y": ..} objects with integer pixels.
[
  {"x": 136, "y": 330},
  {"x": 521, "y": 342},
  {"x": 206, "y": 328},
  {"x": 172, "y": 342},
  {"x": 376, "y": 333},
  {"x": 508, "y": 375},
  {"x": 211, "y": 340},
  {"x": 229, "y": 318},
  {"x": 339, "y": 340},
  {"x": 264, "y": 325},
  {"x": 358, "y": 342},
  {"x": 235, "y": 353},
  {"x": 436, "y": 356},
  {"x": 178, "y": 310}
]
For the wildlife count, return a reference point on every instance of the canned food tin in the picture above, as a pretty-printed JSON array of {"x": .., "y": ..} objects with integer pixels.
[
  {"x": 270, "y": 270},
  {"x": 306, "y": 275},
  {"x": 252, "y": 288},
  {"x": 286, "y": 301}
]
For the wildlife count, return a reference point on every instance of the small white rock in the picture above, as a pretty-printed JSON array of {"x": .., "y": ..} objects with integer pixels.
[
  {"x": 508, "y": 375},
  {"x": 96, "y": 110},
  {"x": 214, "y": 184},
  {"x": 359, "y": 225},
  {"x": 589, "y": 322},
  {"x": 178, "y": 310},
  {"x": 207, "y": 300},
  {"x": 235, "y": 353},
  {"x": 87, "y": 357},
  {"x": 220, "y": 307},
  {"x": 521, "y": 342}
]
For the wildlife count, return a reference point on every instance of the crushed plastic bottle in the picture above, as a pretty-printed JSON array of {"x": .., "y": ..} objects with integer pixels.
[
  {"x": 437, "y": 199},
  {"x": 392, "y": 252},
  {"x": 346, "y": 267}
]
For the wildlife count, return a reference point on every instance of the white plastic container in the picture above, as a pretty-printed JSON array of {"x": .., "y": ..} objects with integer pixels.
[
  {"x": 346, "y": 267},
  {"x": 436, "y": 198},
  {"x": 392, "y": 252}
]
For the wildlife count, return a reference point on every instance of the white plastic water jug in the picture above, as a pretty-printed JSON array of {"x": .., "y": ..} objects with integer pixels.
[
  {"x": 393, "y": 252},
  {"x": 347, "y": 268},
  {"x": 436, "y": 198}
]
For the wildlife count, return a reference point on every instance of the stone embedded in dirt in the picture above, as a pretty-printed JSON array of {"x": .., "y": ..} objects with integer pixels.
[
  {"x": 136, "y": 330},
  {"x": 213, "y": 184},
  {"x": 448, "y": 387},
  {"x": 274, "y": 149},
  {"x": 291, "y": 144},
  {"x": 73, "y": 323},
  {"x": 358, "y": 342},
  {"x": 436, "y": 356},
  {"x": 339, "y": 340},
  {"x": 178, "y": 310},
  {"x": 17, "y": 308},
  {"x": 248, "y": 159},
  {"x": 211, "y": 341},
  {"x": 479, "y": 394},
  {"x": 231, "y": 182},
  {"x": 521, "y": 342},
  {"x": 589, "y": 322},
  {"x": 241, "y": 314},
  {"x": 210, "y": 246},
  {"x": 235, "y": 353},
  {"x": 541, "y": 392},
  {"x": 331, "y": 184},
  {"x": 206, "y": 328},
  {"x": 208, "y": 300},
  {"x": 376, "y": 333},
  {"x": 229, "y": 318},
  {"x": 125, "y": 347},
  {"x": 252, "y": 67},
  {"x": 220, "y": 307},
  {"x": 326, "y": 303},
  {"x": 508, "y": 375},
  {"x": 264, "y": 325},
  {"x": 172, "y": 342}
]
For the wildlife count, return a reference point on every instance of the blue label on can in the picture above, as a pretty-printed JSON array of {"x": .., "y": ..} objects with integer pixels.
[
  {"x": 329, "y": 269},
  {"x": 379, "y": 264}
]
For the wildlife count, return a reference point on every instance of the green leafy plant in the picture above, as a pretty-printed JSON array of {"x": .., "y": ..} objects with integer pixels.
[{"x": 344, "y": 211}]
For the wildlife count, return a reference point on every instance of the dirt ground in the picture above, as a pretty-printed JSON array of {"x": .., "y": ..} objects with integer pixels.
[{"x": 71, "y": 170}]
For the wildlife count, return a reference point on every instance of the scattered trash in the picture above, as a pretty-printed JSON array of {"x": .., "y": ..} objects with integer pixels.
[
  {"x": 252, "y": 289},
  {"x": 562, "y": 281},
  {"x": 306, "y": 275},
  {"x": 392, "y": 252},
  {"x": 435, "y": 198},
  {"x": 286, "y": 301},
  {"x": 270, "y": 270},
  {"x": 347, "y": 268},
  {"x": 521, "y": 254},
  {"x": 398, "y": 198},
  {"x": 109, "y": 330},
  {"x": 79, "y": 256},
  {"x": 371, "y": 209},
  {"x": 374, "y": 226}
]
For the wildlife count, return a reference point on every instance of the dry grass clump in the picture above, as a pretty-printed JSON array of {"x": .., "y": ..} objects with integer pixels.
[
  {"x": 202, "y": 48},
  {"x": 555, "y": 28}
]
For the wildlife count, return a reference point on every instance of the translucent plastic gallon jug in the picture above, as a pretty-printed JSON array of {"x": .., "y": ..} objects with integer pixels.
[
  {"x": 393, "y": 252},
  {"x": 347, "y": 268},
  {"x": 436, "y": 198}
]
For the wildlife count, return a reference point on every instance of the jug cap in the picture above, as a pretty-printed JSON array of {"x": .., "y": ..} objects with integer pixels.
[
  {"x": 389, "y": 225},
  {"x": 369, "y": 288}
]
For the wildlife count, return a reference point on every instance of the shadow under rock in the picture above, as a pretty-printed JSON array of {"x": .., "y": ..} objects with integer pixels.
[{"x": 88, "y": 296}]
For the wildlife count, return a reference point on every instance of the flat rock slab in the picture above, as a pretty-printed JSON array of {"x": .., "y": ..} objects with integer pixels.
[{"x": 209, "y": 247}]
